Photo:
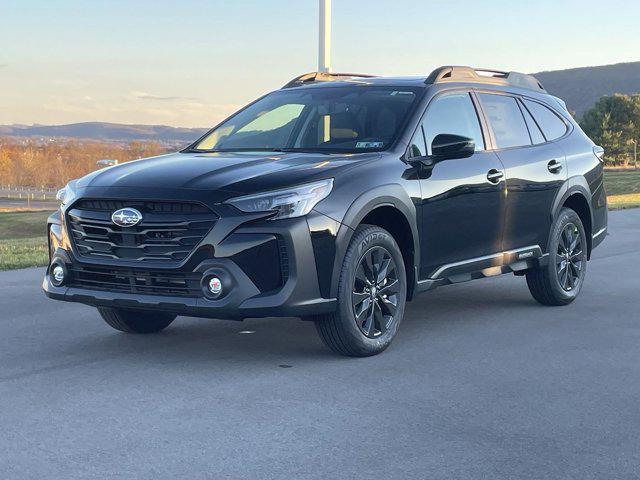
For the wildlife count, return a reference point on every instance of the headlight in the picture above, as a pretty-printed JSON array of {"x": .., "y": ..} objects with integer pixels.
[
  {"x": 67, "y": 194},
  {"x": 289, "y": 202}
]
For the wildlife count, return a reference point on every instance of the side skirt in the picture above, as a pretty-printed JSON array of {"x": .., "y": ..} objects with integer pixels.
[{"x": 511, "y": 261}]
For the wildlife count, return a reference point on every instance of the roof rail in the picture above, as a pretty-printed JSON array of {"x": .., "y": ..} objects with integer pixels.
[
  {"x": 323, "y": 77},
  {"x": 484, "y": 75}
]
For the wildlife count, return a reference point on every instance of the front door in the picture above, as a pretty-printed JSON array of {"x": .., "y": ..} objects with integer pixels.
[{"x": 463, "y": 200}]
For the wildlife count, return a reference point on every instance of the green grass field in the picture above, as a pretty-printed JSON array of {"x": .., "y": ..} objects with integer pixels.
[
  {"x": 623, "y": 189},
  {"x": 23, "y": 253},
  {"x": 23, "y": 241},
  {"x": 14, "y": 225},
  {"x": 622, "y": 183}
]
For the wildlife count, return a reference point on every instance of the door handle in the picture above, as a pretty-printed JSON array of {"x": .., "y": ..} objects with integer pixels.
[
  {"x": 554, "y": 166},
  {"x": 494, "y": 175}
]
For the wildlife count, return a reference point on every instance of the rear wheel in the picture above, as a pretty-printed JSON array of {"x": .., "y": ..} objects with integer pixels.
[
  {"x": 136, "y": 321},
  {"x": 560, "y": 281},
  {"x": 372, "y": 292}
]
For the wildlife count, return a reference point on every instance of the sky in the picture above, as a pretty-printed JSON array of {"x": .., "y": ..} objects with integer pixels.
[{"x": 193, "y": 62}]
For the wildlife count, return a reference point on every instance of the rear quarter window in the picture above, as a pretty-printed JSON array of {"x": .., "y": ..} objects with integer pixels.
[{"x": 551, "y": 124}]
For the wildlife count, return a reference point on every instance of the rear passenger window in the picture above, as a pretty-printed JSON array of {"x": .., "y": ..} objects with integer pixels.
[
  {"x": 454, "y": 114},
  {"x": 534, "y": 130},
  {"x": 552, "y": 126},
  {"x": 506, "y": 120}
]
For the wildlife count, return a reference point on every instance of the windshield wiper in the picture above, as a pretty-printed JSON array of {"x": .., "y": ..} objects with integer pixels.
[
  {"x": 260, "y": 149},
  {"x": 247, "y": 149}
]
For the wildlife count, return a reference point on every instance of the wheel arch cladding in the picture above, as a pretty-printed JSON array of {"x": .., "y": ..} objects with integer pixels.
[
  {"x": 394, "y": 222},
  {"x": 401, "y": 206},
  {"x": 391, "y": 211},
  {"x": 577, "y": 202}
]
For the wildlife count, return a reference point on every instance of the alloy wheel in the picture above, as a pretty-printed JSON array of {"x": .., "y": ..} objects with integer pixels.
[
  {"x": 375, "y": 292},
  {"x": 569, "y": 257}
]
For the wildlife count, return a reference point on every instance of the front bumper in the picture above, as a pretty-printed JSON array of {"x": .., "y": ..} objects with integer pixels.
[
  {"x": 194, "y": 307},
  {"x": 299, "y": 295}
]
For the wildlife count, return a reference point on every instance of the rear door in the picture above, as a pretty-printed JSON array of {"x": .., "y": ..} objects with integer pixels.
[{"x": 535, "y": 169}]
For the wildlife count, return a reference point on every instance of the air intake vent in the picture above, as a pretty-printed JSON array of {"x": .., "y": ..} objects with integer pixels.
[{"x": 135, "y": 280}]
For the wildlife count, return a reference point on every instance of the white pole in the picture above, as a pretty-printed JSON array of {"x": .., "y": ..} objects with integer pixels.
[{"x": 324, "y": 45}]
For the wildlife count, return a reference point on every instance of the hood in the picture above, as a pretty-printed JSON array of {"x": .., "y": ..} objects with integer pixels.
[{"x": 235, "y": 173}]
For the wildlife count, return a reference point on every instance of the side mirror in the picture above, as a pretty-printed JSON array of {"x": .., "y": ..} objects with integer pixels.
[
  {"x": 448, "y": 146},
  {"x": 445, "y": 146}
]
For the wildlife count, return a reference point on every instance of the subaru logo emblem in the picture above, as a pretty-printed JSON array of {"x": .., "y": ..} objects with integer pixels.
[{"x": 126, "y": 217}]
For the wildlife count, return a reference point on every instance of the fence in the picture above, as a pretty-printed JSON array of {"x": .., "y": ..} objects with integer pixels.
[
  {"x": 14, "y": 197},
  {"x": 28, "y": 193}
]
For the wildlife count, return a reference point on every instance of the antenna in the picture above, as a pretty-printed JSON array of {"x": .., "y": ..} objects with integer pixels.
[{"x": 324, "y": 40}]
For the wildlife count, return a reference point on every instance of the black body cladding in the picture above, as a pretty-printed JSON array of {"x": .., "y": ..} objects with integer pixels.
[{"x": 485, "y": 210}]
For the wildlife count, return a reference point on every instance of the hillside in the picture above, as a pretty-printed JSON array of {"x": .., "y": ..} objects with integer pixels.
[
  {"x": 582, "y": 87},
  {"x": 107, "y": 132}
]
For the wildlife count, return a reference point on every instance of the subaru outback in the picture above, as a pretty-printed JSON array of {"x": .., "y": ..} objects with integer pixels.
[{"x": 337, "y": 199}]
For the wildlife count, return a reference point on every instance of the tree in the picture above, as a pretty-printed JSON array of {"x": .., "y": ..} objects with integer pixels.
[
  {"x": 614, "y": 123},
  {"x": 35, "y": 163}
]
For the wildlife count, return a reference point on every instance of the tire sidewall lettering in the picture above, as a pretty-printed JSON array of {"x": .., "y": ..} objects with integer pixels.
[{"x": 371, "y": 240}]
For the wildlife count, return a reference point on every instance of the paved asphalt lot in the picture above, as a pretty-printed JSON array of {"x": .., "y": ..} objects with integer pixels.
[{"x": 480, "y": 383}]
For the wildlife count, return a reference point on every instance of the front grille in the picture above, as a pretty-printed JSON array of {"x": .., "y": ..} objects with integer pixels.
[
  {"x": 147, "y": 206},
  {"x": 135, "y": 280},
  {"x": 168, "y": 232}
]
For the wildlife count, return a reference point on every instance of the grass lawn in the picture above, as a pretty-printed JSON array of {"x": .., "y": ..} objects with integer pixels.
[
  {"x": 23, "y": 253},
  {"x": 623, "y": 189},
  {"x": 621, "y": 183},
  {"x": 23, "y": 224},
  {"x": 619, "y": 202},
  {"x": 23, "y": 241}
]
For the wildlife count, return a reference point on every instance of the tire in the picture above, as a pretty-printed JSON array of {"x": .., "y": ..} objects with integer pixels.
[
  {"x": 136, "y": 321},
  {"x": 560, "y": 281},
  {"x": 380, "y": 305}
]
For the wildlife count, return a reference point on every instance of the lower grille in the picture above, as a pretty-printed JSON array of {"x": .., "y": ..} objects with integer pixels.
[{"x": 130, "y": 280}]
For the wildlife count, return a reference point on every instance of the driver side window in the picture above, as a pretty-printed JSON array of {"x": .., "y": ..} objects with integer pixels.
[{"x": 452, "y": 113}]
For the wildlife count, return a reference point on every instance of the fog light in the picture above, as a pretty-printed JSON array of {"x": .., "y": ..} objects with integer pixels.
[
  {"x": 57, "y": 275},
  {"x": 215, "y": 286}
]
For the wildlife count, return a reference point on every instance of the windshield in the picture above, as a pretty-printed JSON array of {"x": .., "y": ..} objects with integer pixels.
[{"x": 335, "y": 119}]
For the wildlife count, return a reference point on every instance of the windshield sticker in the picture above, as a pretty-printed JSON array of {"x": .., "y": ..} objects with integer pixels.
[
  {"x": 369, "y": 144},
  {"x": 399, "y": 92}
]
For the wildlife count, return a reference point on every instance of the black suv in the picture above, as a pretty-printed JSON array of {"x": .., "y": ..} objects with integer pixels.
[{"x": 337, "y": 199}]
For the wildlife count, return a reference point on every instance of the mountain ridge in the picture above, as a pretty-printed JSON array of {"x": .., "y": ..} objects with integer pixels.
[
  {"x": 579, "y": 87},
  {"x": 107, "y": 131}
]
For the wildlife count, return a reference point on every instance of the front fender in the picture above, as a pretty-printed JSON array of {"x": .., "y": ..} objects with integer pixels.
[{"x": 392, "y": 195}]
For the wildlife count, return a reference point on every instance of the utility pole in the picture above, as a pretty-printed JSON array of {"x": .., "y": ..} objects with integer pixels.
[{"x": 324, "y": 40}]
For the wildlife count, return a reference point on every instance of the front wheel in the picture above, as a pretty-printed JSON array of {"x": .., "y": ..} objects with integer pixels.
[
  {"x": 560, "y": 281},
  {"x": 136, "y": 321},
  {"x": 372, "y": 292}
]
